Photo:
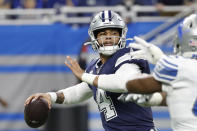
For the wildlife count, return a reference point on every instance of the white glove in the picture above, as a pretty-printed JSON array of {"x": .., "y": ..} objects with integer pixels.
[
  {"x": 146, "y": 51},
  {"x": 154, "y": 99},
  {"x": 139, "y": 99}
]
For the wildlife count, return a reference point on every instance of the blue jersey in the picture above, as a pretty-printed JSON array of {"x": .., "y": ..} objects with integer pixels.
[{"x": 116, "y": 115}]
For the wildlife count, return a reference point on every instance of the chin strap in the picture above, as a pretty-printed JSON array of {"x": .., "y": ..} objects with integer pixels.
[
  {"x": 108, "y": 50},
  {"x": 87, "y": 43}
]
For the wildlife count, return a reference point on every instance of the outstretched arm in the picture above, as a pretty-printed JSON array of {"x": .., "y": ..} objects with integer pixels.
[
  {"x": 74, "y": 94},
  {"x": 70, "y": 95},
  {"x": 112, "y": 82},
  {"x": 144, "y": 85}
]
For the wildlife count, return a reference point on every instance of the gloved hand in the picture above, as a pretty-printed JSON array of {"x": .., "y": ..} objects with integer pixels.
[
  {"x": 148, "y": 100},
  {"x": 142, "y": 100},
  {"x": 146, "y": 51}
]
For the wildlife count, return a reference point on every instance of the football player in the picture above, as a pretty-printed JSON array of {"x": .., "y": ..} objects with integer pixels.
[
  {"x": 108, "y": 37},
  {"x": 175, "y": 75}
]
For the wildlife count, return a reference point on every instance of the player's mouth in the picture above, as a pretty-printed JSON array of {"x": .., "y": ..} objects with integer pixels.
[{"x": 108, "y": 44}]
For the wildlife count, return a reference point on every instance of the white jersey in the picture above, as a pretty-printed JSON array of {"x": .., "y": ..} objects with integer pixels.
[{"x": 179, "y": 78}]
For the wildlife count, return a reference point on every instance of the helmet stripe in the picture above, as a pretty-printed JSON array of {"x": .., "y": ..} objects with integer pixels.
[
  {"x": 180, "y": 33},
  {"x": 103, "y": 16},
  {"x": 109, "y": 14}
]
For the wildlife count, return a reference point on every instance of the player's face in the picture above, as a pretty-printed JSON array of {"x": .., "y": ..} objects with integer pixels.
[{"x": 108, "y": 37}]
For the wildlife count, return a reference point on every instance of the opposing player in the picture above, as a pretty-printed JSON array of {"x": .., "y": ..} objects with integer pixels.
[
  {"x": 108, "y": 34},
  {"x": 175, "y": 75}
]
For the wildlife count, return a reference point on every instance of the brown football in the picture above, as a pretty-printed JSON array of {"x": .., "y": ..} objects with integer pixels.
[{"x": 36, "y": 112}]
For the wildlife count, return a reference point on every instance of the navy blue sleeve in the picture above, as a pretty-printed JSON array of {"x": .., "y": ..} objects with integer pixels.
[
  {"x": 123, "y": 57},
  {"x": 143, "y": 65},
  {"x": 90, "y": 66}
]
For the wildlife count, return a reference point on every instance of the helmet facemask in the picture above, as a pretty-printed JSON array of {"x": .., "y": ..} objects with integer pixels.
[
  {"x": 112, "y": 20},
  {"x": 108, "y": 47}
]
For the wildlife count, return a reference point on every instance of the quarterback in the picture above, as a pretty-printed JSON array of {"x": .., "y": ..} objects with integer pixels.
[
  {"x": 175, "y": 75},
  {"x": 115, "y": 66}
]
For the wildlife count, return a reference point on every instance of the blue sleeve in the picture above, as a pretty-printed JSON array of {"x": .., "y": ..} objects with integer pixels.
[
  {"x": 166, "y": 70},
  {"x": 91, "y": 65},
  {"x": 124, "y": 57}
]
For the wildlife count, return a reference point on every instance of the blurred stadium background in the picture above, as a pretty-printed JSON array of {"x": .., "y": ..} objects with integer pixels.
[{"x": 36, "y": 36}]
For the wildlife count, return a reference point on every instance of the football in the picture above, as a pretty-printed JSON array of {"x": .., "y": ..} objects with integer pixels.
[{"x": 36, "y": 112}]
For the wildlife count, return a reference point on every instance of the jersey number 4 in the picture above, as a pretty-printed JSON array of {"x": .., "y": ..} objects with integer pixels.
[{"x": 105, "y": 105}]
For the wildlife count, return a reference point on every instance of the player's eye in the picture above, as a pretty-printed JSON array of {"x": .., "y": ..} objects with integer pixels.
[
  {"x": 101, "y": 34},
  {"x": 115, "y": 33}
]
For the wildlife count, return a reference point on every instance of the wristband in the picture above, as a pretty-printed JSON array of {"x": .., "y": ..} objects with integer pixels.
[
  {"x": 53, "y": 96},
  {"x": 60, "y": 97},
  {"x": 88, "y": 78}
]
